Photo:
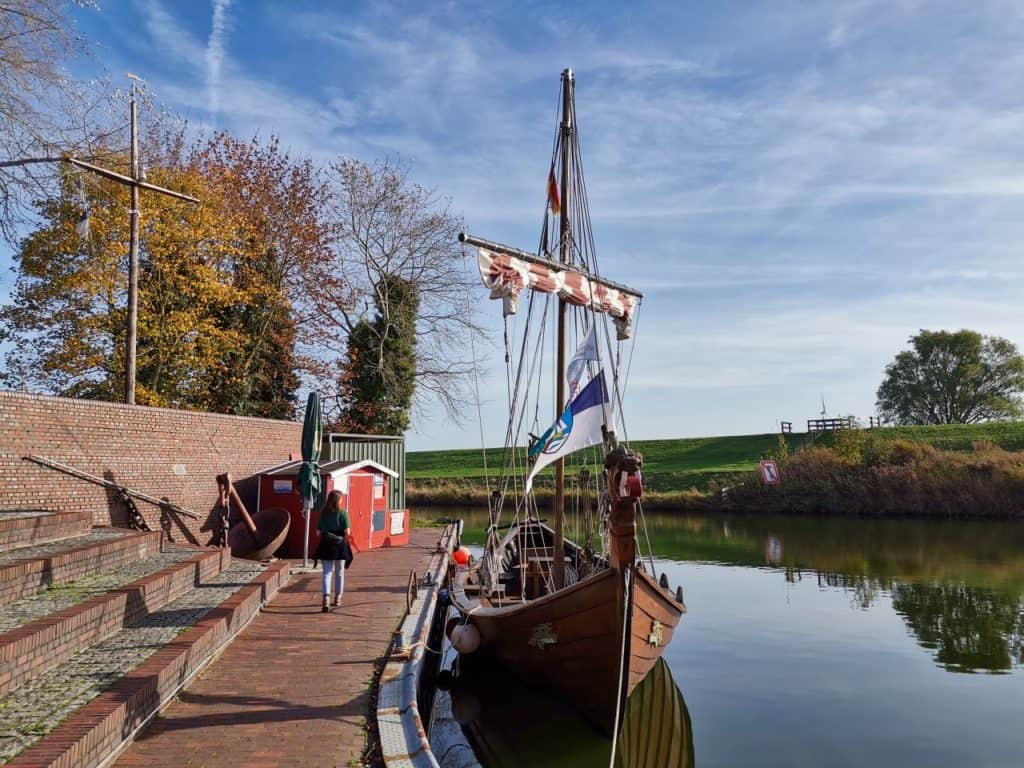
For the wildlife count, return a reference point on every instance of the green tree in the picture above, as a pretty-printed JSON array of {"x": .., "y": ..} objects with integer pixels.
[
  {"x": 378, "y": 385},
  {"x": 393, "y": 236},
  {"x": 66, "y": 318},
  {"x": 953, "y": 378}
]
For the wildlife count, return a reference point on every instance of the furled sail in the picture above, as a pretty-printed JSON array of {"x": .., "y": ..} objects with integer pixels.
[{"x": 506, "y": 276}]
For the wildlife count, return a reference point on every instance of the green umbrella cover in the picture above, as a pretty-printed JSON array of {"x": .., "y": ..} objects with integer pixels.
[{"x": 309, "y": 472}]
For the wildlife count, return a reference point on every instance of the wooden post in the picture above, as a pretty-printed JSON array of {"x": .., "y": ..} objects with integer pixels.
[{"x": 133, "y": 261}]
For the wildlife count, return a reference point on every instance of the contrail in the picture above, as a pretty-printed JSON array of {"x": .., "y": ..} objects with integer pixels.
[{"x": 215, "y": 52}]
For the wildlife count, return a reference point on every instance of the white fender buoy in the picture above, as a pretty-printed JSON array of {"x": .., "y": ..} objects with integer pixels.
[{"x": 465, "y": 638}]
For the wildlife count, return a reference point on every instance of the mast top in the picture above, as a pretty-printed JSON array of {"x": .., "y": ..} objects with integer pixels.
[{"x": 567, "y": 73}]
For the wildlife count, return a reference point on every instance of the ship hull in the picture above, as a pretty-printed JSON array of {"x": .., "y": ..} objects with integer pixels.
[{"x": 570, "y": 641}]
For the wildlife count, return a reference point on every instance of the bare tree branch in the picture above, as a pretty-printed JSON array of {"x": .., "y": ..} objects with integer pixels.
[
  {"x": 43, "y": 113},
  {"x": 385, "y": 225}
]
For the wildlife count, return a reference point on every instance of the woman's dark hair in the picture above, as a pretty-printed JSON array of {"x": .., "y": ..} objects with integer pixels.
[{"x": 333, "y": 503}]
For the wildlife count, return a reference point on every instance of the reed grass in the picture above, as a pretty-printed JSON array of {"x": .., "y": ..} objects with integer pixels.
[{"x": 865, "y": 475}]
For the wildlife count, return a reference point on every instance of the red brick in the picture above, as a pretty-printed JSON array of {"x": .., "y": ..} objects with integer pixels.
[{"x": 136, "y": 446}]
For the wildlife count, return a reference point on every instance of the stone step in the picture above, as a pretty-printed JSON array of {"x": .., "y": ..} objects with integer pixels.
[
  {"x": 27, "y": 570},
  {"x": 37, "y": 646},
  {"x": 25, "y": 527},
  {"x": 86, "y": 710}
]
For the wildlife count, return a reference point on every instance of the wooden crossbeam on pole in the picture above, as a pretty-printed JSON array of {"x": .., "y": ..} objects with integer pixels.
[{"x": 136, "y": 183}]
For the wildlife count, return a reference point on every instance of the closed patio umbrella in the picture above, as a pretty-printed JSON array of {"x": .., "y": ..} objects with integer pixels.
[{"x": 309, "y": 472}]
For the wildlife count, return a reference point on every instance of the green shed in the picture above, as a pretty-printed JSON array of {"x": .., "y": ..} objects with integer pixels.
[{"x": 388, "y": 450}]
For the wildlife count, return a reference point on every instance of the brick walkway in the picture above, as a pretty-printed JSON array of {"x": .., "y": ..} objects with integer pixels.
[{"x": 292, "y": 688}]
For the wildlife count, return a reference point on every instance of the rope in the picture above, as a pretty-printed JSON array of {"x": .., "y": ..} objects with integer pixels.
[
  {"x": 404, "y": 652},
  {"x": 627, "y": 607},
  {"x": 476, "y": 386},
  {"x": 647, "y": 538}
]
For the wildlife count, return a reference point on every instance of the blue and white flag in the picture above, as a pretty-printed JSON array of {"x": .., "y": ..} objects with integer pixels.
[
  {"x": 586, "y": 352},
  {"x": 579, "y": 427}
]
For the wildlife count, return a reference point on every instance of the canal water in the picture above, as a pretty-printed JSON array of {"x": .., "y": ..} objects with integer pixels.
[{"x": 836, "y": 642}]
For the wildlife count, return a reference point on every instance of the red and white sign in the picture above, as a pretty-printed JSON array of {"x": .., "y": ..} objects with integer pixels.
[{"x": 770, "y": 472}]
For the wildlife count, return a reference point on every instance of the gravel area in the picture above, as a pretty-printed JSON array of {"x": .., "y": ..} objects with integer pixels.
[
  {"x": 37, "y": 708},
  {"x": 57, "y": 598}
]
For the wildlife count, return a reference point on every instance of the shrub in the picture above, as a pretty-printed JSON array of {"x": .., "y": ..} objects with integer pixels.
[
  {"x": 781, "y": 452},
  {"x": 877, "y": 451},
  {"x": 904, "y": 452},
  {"x": 848, "y": 445}
]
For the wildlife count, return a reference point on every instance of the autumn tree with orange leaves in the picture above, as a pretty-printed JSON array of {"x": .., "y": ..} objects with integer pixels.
[{"x": 219, "y": 282}]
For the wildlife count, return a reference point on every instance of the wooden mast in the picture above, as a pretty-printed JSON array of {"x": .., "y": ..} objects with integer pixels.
[{"x": 558, "y": 562}]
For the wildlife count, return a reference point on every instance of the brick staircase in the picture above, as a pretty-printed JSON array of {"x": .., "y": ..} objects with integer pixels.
[{"x": 101, "y": 627}]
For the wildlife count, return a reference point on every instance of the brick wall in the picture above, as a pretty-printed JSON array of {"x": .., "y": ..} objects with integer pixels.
[{"x": 162, "y": 452}]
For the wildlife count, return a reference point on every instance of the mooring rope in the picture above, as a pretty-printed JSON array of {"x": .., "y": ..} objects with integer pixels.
[{"x": 476, "y": 385}]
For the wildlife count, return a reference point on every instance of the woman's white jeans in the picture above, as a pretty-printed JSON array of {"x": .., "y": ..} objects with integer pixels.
[{"x": 334, "y": 568}]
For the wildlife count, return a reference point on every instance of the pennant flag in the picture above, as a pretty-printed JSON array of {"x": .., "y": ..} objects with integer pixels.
[
  {"x": 82, "y": 225},
  {"x": 553, "y": 200},
  {"x": 578, "y": 428},
  {"x": 578, "y": 365}
]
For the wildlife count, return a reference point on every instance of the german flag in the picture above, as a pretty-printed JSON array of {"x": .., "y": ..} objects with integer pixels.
[{"x": 553, "y": 199}]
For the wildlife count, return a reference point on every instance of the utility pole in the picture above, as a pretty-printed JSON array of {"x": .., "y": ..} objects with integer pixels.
[
  {"x": 133, "y": 259},
  {"x": 136, "y": 182}
]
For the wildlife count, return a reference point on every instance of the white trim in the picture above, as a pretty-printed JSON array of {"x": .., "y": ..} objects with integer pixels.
[
  {"x": 347, "y": 469},
  {"x": 363, "y": 464}
]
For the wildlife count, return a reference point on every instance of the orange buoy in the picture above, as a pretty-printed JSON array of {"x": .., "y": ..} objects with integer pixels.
[{"x": 461, "y": 556}]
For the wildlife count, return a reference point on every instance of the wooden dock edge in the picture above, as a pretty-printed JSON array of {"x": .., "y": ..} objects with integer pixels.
[{"x": 402, "y": 733}]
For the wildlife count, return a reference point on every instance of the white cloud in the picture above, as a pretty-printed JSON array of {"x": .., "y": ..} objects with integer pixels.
[
  {"x": 799, "y": 186},
  {"x": 215, "y": 52}
]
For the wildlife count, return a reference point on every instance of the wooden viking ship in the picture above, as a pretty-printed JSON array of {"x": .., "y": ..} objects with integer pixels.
[{"x": 585, "y": 620}]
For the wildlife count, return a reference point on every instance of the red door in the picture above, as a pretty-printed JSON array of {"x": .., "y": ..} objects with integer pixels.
[{"x": 360, "y": 505}]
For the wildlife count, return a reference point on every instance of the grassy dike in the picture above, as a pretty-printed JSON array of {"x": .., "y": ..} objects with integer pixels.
[{"x": 951, "y": 470}]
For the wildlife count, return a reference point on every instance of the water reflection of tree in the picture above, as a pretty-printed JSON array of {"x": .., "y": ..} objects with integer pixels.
[
  {"x": 864, "y": 590},
  {"x": 969, "y": 628}
]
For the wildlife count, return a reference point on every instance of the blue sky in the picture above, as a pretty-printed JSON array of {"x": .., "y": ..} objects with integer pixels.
[{"x": 797, "y": 187}]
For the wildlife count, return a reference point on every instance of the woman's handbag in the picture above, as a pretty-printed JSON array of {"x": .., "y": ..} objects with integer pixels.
[
  {"x": 333, "y": 546},
  {"x": 346, "y": 553}
]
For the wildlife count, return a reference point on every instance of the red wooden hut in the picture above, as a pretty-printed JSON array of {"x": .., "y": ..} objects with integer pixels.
[{"x": 364, "y": 488}]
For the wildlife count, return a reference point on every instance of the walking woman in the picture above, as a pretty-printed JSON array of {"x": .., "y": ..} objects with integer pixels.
[{"x": 333, "y": 551}]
